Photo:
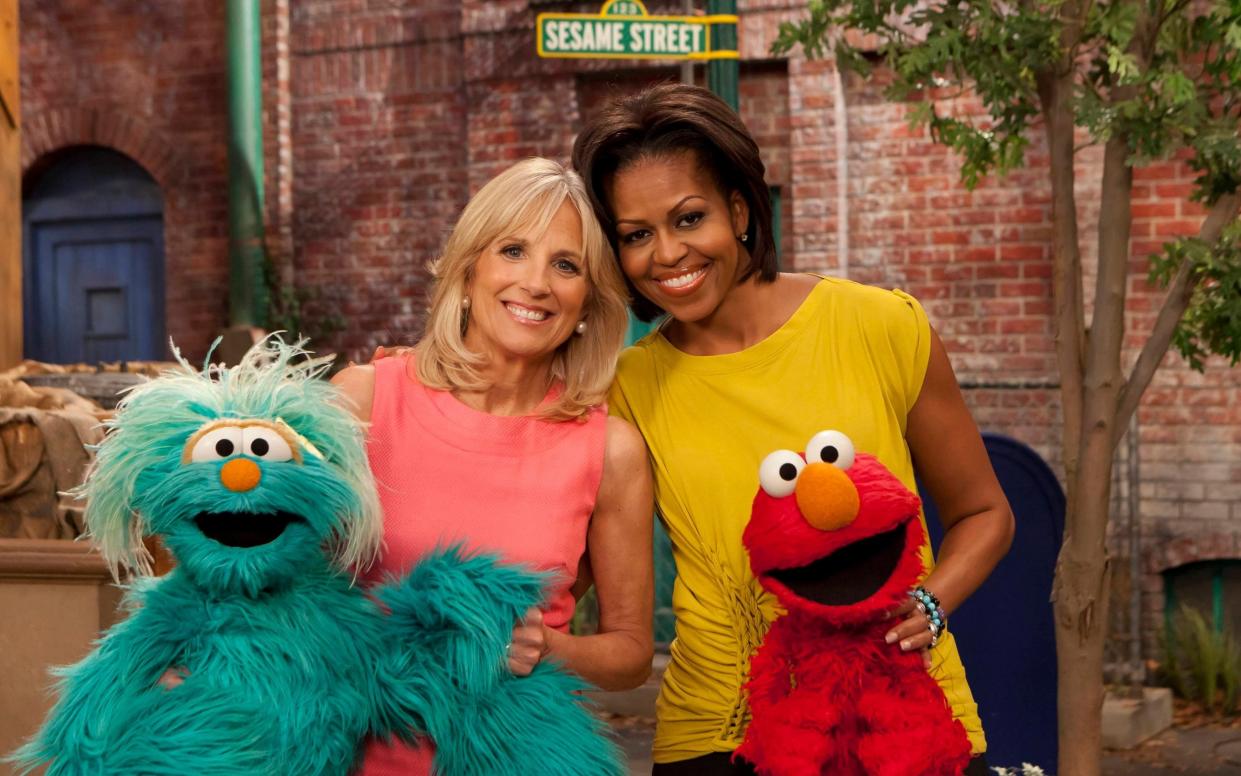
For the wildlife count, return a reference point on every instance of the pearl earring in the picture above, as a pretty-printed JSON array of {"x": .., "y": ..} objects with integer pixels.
[
  {"x": 581, "y": 327},
  {"x": 465, "y": 303}
]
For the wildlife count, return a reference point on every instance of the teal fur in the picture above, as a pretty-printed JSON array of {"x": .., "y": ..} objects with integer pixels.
[{"x": 288, "y": 664}]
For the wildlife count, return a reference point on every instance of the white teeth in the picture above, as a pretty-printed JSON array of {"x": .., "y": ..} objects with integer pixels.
[
  {"x": 680, "y": 281},
  {"x": 525, "y": 312}
]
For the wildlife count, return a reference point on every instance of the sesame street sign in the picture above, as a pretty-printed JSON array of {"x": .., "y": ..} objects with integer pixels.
[{"x": 624, "y": 30}]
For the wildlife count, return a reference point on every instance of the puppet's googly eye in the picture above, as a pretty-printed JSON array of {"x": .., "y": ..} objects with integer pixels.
[
  {"x": 219, "y": 443},
  {"x": 830, "y": 447},
  {"x": 778, "y": 473},
  {"x": 266, "y": 443}
]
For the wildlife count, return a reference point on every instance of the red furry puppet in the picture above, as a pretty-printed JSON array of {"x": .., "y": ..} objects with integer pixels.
[{"x": 836, "y": 537}]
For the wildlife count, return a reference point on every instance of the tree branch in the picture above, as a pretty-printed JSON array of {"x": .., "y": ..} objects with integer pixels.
[
  {"x": 1055, "y": 88},
  {"x": 1180, "y": 291}
]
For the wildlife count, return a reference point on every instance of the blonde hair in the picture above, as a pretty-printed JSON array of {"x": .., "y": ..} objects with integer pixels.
[{"x": 526, "y": 196}]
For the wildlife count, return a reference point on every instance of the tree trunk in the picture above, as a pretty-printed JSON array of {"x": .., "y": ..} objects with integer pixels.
[
  {"x": 1080, "y": 591},
  {"x": 1083, "y": 574}
]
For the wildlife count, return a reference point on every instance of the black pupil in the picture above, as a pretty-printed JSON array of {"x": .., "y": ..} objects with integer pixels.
[
  {"x": 259, "y": 447},
  {"x": 788, "y": 472},
  {"x": 224, "y": 448},
  {"x": 829, "y": 454}
]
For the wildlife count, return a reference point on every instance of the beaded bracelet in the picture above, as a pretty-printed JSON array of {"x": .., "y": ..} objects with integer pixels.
[{"x": 928, "y": 604}]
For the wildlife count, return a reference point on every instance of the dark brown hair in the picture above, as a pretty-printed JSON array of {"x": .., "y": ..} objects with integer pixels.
[{"x": 666, "y": 120}]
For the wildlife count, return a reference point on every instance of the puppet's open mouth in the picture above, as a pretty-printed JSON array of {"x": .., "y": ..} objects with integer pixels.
[
  {"x": 851, "y": 574},
  {"x": 244, "y": 529}
]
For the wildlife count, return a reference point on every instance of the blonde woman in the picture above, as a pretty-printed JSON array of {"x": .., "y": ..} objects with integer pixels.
[{"x": 493, "y": 430}]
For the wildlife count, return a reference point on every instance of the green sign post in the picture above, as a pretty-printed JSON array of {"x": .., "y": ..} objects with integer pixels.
[
  {"x": 723, "y": 74},
  {"x": 624, "y": 30}
]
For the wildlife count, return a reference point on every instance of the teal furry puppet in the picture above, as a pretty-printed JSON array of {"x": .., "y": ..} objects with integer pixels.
[{"x": 259, "y": 485}]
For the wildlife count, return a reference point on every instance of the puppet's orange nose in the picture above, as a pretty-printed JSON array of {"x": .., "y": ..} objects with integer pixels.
[
  {"x": 827, "y": 497},
  {"x": 240, "y": 474}
]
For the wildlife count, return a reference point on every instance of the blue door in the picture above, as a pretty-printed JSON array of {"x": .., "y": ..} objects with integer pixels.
[
  {"x": 94, "y": 261},
  {"x": 1004, "y": 631}
]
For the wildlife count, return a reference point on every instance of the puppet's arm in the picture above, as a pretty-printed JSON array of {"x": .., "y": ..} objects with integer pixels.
[
  {"x": 792, "y": 728},
  {"x": 909, "y": 728},
  {"x": 448, "y": 625},
  {"x": 113, "y": 716}
]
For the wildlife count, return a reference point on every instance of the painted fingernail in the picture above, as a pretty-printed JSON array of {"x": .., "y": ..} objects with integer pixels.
[
  {"x": 891, "y": 637},
  {"x": 905, "y": 646}
]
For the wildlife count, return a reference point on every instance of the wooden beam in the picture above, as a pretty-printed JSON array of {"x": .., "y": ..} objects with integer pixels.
[{"x": 10, "y": 191}]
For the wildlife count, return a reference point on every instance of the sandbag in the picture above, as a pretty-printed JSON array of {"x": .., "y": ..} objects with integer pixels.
[{"x": 44, "y": 435}]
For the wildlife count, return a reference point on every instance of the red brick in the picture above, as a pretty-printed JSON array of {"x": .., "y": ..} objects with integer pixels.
[{"x": 1022, "y": 252}]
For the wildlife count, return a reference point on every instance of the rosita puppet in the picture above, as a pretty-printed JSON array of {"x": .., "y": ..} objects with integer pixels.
[
  {"x": 837, "y": 539},
  {"x": 257, "y": 481}
]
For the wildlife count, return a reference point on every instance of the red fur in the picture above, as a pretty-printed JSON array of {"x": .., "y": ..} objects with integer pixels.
[{"x": 827, "y": 695}]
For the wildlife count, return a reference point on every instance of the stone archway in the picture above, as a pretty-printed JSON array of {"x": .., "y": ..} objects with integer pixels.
[
  {"x": 47, "y": 131},
  {"x": 47, "y": 134}
]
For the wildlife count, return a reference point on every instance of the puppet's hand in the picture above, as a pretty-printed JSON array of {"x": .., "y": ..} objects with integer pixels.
[
  {"x": 529, "y": 643},
  {"x": 455, "y": 611}
]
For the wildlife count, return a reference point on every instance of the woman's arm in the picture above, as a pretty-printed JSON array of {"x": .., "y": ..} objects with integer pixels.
[
  {"x": 949, "y": 455},
  {"x": 618, "y": 657}
]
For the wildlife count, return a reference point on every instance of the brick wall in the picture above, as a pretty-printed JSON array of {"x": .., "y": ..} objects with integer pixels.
[
  {"x": 147, "y": 79},
  {"x": 379, "y": 158},
  {"x": 381, "y": 118}
]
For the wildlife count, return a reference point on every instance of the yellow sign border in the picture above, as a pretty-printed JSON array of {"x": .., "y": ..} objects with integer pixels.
[{"x": 703, "y": 21}]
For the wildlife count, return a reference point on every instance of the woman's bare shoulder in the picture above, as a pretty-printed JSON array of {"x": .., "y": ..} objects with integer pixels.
[
  {"x": 357, "y": 386},
  {"x": 625, "y": 444}
]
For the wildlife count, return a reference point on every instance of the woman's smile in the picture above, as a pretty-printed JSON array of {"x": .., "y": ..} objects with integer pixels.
[
  {"x": 527, "y": 315},
  {"x": 683, "y": 282},
  {"x": 678, "y": 234}
]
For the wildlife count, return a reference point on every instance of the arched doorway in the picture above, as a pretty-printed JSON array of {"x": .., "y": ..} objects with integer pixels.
[{"x": 93, "y": 259}]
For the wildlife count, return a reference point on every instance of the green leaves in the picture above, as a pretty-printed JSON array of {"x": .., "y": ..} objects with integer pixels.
[
  {"x": 1164, "y": 74},
  {"x": 979, "y": 47},
  {"x": 1202, "y": 662},
  {"x": 1212, "y": 323}
]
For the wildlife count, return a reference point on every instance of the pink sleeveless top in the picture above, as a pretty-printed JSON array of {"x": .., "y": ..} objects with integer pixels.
[{"x": 521, "y": 487}]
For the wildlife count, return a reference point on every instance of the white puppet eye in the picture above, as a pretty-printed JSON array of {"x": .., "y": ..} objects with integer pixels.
[
  {"x": 217, "y": 444},
  {"x": 777, "y": 474},
  {"x": 265, "y": 443},
  {"x": 830, "y": 447}
]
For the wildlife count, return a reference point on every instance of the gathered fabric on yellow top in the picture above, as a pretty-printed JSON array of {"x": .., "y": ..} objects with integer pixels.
[{"x": 851, "y": 358}]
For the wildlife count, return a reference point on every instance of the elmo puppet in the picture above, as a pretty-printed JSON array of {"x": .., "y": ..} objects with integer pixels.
[{"x": 837, "y": 539}]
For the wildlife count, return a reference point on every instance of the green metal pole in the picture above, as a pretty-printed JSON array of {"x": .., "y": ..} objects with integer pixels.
[
  {"x": 247, "y": 285},
  {"x": 723, "y": 74}
]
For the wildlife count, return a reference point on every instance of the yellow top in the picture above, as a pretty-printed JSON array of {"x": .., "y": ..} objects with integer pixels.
[{"x": 851, "y": 358}]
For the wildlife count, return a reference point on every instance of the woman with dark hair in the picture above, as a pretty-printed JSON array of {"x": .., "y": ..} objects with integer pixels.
[{"x": 749, "y": 359}]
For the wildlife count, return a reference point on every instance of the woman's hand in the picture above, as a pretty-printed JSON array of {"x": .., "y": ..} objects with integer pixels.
[
  {"x": 529, "y": 643},
  {"x": 912, "y": 632},
  {"x": 173, "y": 677},
  {"x": 389, "y": 351}
]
